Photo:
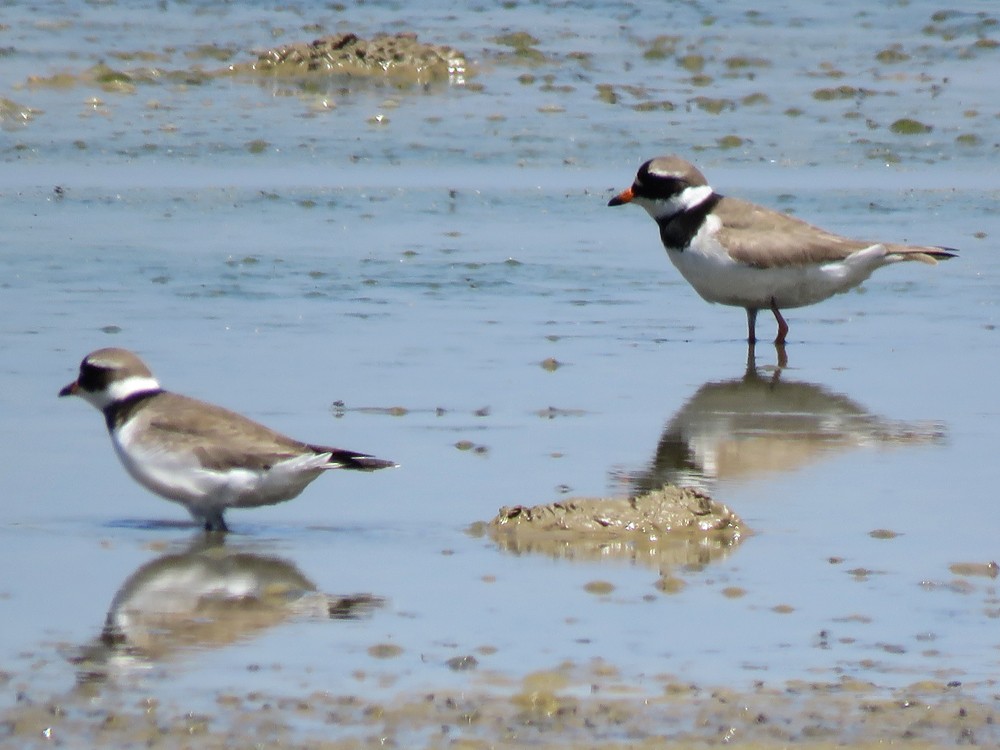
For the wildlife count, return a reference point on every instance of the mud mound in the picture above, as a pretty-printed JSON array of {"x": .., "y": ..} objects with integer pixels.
[
  {"x": 399, "y": 56},
  {"x": 671, "y": 525}
]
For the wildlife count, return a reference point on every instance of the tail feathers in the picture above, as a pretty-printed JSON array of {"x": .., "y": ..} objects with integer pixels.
[
  {"x": 341, "y": 459},
  {"x": 929, "y": 255}
]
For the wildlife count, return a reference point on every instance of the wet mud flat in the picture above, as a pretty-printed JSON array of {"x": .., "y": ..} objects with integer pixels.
[
  {"x": 578, "y": 706},
  {"x": 910, "y": 92},
  {"x": 214, "y": 594}
]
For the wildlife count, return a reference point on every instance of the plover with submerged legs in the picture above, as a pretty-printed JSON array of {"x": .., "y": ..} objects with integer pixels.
[{"x": 202, "y": 456}]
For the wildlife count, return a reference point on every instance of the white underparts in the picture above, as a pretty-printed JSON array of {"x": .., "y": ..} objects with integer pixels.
[
  {"x": 718, "y": 278},
  {"x": 179, "y": 475}
]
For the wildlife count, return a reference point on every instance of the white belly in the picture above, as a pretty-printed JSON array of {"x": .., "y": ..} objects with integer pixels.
[
  {"x": 718, "y": 278},
  {"x": 178, "y": 476}
]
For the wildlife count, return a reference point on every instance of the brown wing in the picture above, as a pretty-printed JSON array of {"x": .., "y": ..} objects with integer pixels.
[
  {"x": 219, "y": 437},
  {"x": 759, "y": 236}
]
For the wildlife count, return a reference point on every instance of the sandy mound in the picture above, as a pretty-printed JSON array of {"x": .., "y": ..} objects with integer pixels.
[
  {"x": 671, "y": 525},
  {"x": 398, "y": 56}
]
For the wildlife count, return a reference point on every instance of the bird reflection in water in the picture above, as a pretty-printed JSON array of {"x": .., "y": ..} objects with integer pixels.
[
  {"x": 761, "y": 423},
  {"x": 208, "y": 596}
]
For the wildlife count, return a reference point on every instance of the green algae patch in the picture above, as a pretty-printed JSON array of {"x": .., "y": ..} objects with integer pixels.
[
  {"x": 713, "y": 106},
  {"x": 741, "y": 62},
  {"x": 384, "y": 651},
  {"x": 518, "y": 40},
  {"x": 884, "y": 155},
  {"x": 657, "y": 106},
  {"x": 908, "y": 126},
  {"x": 965, "y": 569},
  {"x": 54, "y": 81},
  {"x": 111, "y": 80},
  {"x": 661, "y": 48},
  {"x": 101, "y": 75},
  {"x": 550, "y": 364},
  {"x": 892, "y": 55},
  {"x": 954, "y": 24},
  {"x": 758, "y": 97},
  {"x": 523, "y": 45},
  {"x": 883, "y": 534},
  {"x": 606, "y": 93},
  {"x": 840, "y": 92},
  {"x": 692, "y": 63},
  {"x": 599, "y": 588}
]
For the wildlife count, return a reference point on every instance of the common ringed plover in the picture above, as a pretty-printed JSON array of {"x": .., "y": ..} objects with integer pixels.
[
  {"x": 197, "y": 454},
  {"x": 738, "y": 253}
]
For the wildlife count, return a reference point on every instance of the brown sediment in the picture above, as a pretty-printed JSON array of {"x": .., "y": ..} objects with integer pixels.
[
  {"x": 523, "y": 47},
  {"x": 400, "y": 59},
  {"x": 668, "y": 526},
  {"x": 590, "y": 705},
  {"x": 987, "y": 570},
  {"x": 398, "y": 56}
]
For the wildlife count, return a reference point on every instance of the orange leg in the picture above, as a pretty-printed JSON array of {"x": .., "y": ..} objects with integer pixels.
[{"x": 782, "y": 325}]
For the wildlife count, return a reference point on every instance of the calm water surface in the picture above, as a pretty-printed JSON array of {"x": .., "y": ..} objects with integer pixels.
[{"x": 432, "y": 263}]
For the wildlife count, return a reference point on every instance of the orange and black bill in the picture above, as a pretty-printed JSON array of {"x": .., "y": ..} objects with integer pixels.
[{"x": 625, "y": 196}]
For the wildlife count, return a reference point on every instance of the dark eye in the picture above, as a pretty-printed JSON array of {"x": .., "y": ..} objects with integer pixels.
[{"x": 93, "y": 378}]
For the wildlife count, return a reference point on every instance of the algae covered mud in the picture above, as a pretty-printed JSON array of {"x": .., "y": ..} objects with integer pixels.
[{"x": 414, "y": 255}]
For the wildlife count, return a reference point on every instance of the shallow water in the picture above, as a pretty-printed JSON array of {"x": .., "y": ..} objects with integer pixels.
[{"x": 422, "y": 270}]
